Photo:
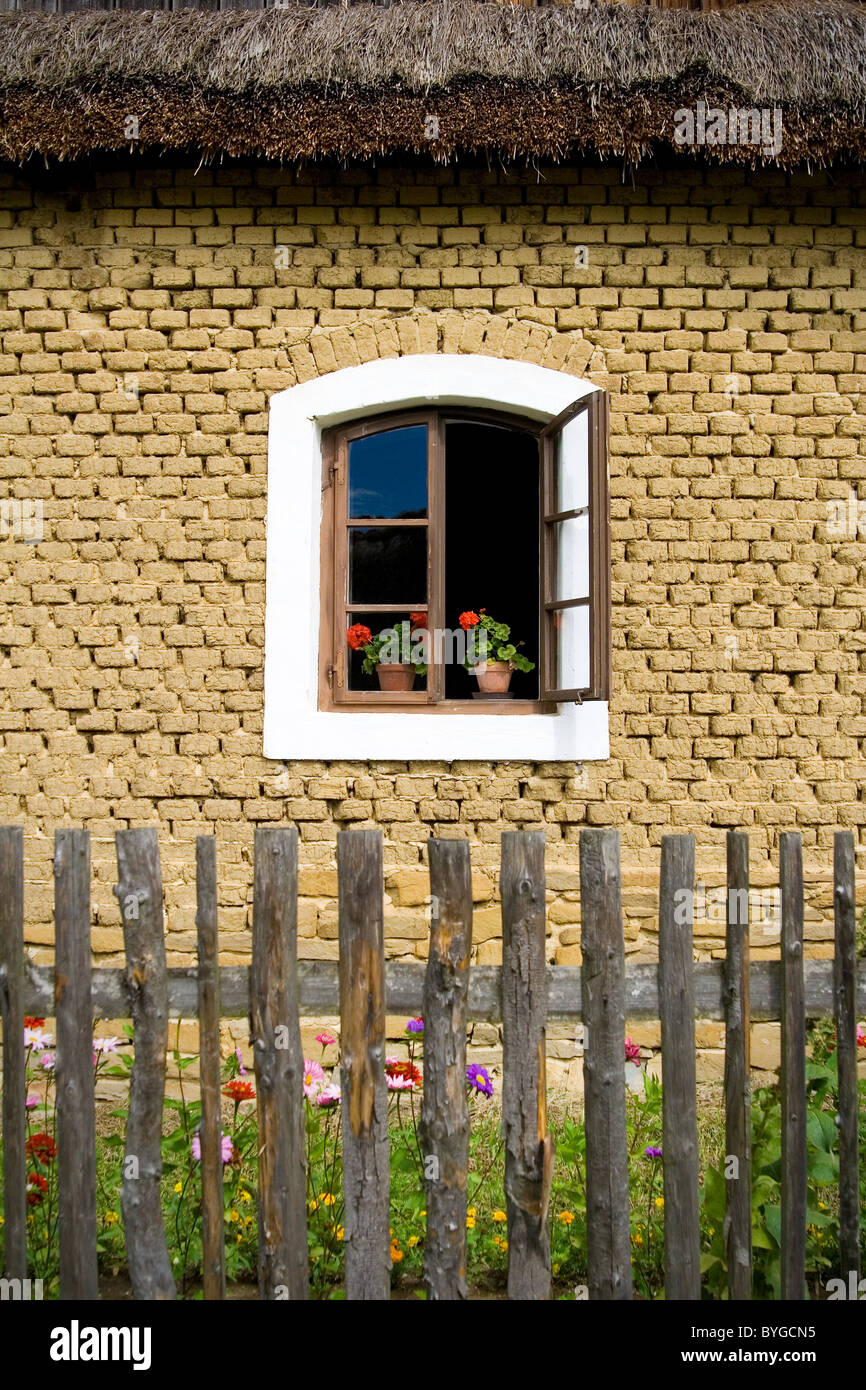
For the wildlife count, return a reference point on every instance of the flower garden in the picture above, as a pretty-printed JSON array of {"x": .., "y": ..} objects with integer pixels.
[{"x": 487, "y": 1245}]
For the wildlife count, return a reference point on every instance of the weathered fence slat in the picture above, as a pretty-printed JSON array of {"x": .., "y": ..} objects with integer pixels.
[
  {"x": 366, "y": 1175},
  {"x": 279, "y": 1067},
  {"x": 212, "y": 1209},
  {"x": 76, "y": 1099},
  {"x": 738, "y": 1089},
  {"x": 602, "y": 944},
  {"x": 528, "y": 1146},
  {"x": 444, "y": 1129},
  {"x": 14, "y": 1082},
  {"x": 845, "y": 962},
  {"x": 679, "y": 1100},
  {"x": 139, "y": 893},
  {"x": 793, "y": 1071}
]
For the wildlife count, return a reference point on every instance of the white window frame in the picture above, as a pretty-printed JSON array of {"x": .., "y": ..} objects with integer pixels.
[{"x": 294, "y": 727}]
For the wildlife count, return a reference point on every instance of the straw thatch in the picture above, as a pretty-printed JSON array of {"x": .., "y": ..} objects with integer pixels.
[{"x": 297, "y": 83}]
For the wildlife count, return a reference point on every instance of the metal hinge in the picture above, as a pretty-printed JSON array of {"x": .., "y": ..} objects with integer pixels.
[{"x": 332, "y": 674}]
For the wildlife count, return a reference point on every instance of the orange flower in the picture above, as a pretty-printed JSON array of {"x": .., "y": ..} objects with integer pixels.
[
  {"x": 468, "y": 619},
  {"x": 239, "y": 1090},
  {"x": 407, "y": 1070},
  {"x": 31, "y": 1022}
]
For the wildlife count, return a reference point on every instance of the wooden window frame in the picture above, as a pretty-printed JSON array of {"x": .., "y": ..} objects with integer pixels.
[{"x": 333, "y": 694}]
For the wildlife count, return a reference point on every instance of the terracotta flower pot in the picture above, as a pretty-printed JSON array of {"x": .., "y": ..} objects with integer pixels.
[
  {"x": 393, "y": 676},
  {"x": 495, "y": 677}
]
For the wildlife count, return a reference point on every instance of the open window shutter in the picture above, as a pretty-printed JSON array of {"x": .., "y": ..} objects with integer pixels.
[{"x": 575, "y": 554}]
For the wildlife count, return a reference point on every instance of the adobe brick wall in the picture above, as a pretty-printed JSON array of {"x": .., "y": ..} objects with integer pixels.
[{"x": 132, "y": 635}]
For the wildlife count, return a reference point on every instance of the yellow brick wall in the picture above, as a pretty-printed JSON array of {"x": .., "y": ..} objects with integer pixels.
[{"x": 724, "y": 312}]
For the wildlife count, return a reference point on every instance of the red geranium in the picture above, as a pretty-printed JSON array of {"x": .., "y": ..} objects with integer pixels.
[
  {"x": 42, "y": 1147},
  {"x": 468, "y": 619},
  {"x": 358, "y": 636},
  {"x": 418, "y": 619},
  {"x": 37, "y": 1186},
  {"x": 239, "y": 1090}
]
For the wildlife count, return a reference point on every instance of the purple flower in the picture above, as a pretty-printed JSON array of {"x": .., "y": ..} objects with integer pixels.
[
  {"x": 652, "y": 1152},
  {"x": 415, "y": 1025},
  {"x": 479, "y": 1080},
  {"x": 242, "y": 1071},
  {"x": 47, "y": 1061}
]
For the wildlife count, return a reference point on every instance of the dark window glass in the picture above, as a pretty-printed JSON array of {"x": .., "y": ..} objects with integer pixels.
[
  {"x": 388, "y": 473},
  {"x": 388, "y": 564}
]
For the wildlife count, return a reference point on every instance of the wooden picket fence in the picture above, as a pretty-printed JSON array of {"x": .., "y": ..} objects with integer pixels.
[{"x": 523, "y": 993}]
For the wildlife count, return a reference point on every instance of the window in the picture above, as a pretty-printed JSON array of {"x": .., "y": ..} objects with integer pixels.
[
  {"x": 430, "y": 513},
  {"x": 302, "y": 717}
]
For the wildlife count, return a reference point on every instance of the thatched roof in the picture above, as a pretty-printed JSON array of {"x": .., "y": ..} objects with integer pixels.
[{"x": 298, "y": 83}]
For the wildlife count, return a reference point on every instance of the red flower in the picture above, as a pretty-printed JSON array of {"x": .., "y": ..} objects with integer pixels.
[
  {"x": 358, "y": 636},
  {"x": 37, "y": 1186},
  {"x": 239, "y": 1090},
  {"x": 468, "y": 619},
  {"x": 418, "y": 619},
  {"x": 408, "y": 1070},
  {"x": 31, "y": 1022},
  {"x": 41, "y": 1147}
]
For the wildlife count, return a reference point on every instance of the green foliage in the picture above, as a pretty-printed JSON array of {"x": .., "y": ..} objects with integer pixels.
[
  {"x": 396, "y": 645},
  {"x": 499, "y": 646}
]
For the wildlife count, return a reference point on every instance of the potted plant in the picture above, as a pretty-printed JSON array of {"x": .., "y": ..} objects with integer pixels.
[
  {"x": 492, "y": 656},
  {"x": 392, "y": 653}
]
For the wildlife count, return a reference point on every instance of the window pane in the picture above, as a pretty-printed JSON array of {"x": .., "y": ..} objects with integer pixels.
[
  {"x": 388, "y": 564},
  {"x": 388, "y": 473},
  {"x": 572, "y": 563},
  {"x": 571, "y": 626},
  {"x": 402, "y": 646},
  {"x": 572, "y": 465}
]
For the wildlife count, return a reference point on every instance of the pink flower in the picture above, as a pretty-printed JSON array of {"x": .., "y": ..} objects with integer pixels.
[
  {"x": 46, "y": 1061},
  {"x": 242, "y": 1071},
  {"x": 632, "y": 1052},
  {"x": 314, "y": 1078},
  {"x": 226, "y": 1148},
  {"x": 329, "y": 1096},
  {"x": 861, "y": 1035},
  {"x": 34, "y": 1037},
  {"x": 106, "y": 1044},
  {"x": 31, "y": 1102},
  {"x": 325, "y": 1039},
  {"x": 400, "y": 1083}
]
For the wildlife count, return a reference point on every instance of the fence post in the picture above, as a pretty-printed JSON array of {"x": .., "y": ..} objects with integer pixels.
[
  {"x": 845, "y": 992},
  {"x": 444, "y": 1128},
  {"x": 793, "y": 1073},
  {"x": 679, "y": 1098},
  {"x": 76, "y": 1110},
  {"x": 212, "y": 1203},
  {"x": 738, "y": 1088},
  {"x": 14, "y": 1081},
  {"x": 603, "y": 992},
  {"x": 139, "y": 893},
  {"x": 366, "y": 1175},
  {"x": 528, "y": 1146},
  {"x": 279, "y": 1063}
]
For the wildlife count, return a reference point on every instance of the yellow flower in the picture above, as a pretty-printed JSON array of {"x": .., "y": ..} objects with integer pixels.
[
  {"x": 340, "y": 1233},
  {"x": 178, "y": 1187},
  {"x": 110, "y": 1218},
  {"x": 312, "y": 1206},
  {"x": 396, "y": 1253},
  {"x": 412, "y": 1242},
  {"x": 234, "y": 1215},
  {"x": 499, "y": 1216},
  {"x": 239, "y": 1238},
  {"x": 637, "y": 1238},
  {"x": 245, "y": 1196},
  {"x": 328, "y": 1199},
  {"x": 556, "y": 1269},
  {"x": 423, "y": 1213},
  {"x": 822, "y": 1206},
  {"x": 470, "y": 1211},
  {"x": 248, "y": 1221},
  {"x": 566, "y": 1217},
  {"x": 503, "y": 1245},
  {"x": 470, "y": 1223},
  {"x": 660, "y": 1201}
]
